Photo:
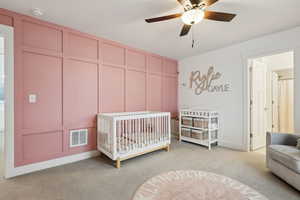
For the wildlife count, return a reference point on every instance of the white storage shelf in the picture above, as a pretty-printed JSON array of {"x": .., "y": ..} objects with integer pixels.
[
  {"x": 197, "y": 128},
  {"x": 201, "y": 123}
]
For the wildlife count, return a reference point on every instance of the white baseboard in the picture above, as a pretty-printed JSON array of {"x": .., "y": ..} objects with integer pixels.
[
  {"x": 50, "y": 163},
  {"x": 230, "y": 145}
]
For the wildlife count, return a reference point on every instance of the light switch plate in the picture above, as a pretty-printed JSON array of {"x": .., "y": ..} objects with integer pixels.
[{"x": 32, "y": 98}]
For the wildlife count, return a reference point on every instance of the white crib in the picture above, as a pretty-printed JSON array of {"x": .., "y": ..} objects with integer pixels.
[{"x": 126, "y": 135}]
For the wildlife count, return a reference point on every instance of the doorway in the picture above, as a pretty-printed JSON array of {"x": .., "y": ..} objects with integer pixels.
[{"x": 271, "y": 97}]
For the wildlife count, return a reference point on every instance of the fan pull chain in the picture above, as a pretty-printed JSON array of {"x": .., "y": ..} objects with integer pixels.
[{"x": 193, "y": 40}]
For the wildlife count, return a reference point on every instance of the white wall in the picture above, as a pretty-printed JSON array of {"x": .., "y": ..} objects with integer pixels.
[{"x": 232, "y": 63}]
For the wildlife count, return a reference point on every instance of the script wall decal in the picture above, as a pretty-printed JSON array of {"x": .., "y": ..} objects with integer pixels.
[{"x": 204, "y": 82}]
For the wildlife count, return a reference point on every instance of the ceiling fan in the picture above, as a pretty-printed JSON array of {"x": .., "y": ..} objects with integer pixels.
[{"x": 194, "y": 12}]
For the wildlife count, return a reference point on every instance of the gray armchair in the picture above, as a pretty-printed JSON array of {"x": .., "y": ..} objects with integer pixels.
[{"x": 283, "y": 158}]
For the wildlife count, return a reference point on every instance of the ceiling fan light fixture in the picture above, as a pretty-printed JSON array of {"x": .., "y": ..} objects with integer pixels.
[{"x": 193, "y": 16}]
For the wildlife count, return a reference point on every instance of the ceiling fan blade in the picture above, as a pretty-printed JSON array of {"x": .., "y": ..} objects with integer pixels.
[
  {"x": 219, "y": 16},
  {"x": 209, "y": 2},
  {"x": 167, "y": 17},
  {"x": 185, "y": 30},
  {"x": 181, "y": 1}
]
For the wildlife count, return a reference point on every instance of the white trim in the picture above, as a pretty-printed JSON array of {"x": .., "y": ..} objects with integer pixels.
[
  {"x": 8, "y": 33},
  {"x": 50, "y": 163},
  {"x": 246, "y": 94},
  {"x": 231, "y": 145}
]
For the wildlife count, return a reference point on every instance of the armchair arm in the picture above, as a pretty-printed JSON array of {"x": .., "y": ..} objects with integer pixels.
[{"x": 282, "y": 138}]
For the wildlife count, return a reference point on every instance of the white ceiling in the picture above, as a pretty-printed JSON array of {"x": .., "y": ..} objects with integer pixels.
[{"x": 123, "y": 21}]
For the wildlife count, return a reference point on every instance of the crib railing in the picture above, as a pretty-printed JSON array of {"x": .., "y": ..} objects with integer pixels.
[{"x": 121, "y": 134}]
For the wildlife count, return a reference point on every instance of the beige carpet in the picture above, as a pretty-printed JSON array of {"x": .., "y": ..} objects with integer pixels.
[
  {"x": 261, "y": 151},
  {"x": 97, "y": 179}
]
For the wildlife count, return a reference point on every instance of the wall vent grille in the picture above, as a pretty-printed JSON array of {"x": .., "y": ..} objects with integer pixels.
[{"x": 78, "y": 137}]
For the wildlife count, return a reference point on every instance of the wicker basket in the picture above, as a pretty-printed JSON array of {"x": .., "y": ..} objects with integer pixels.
[
  {"x": 197, "y": 134},
  {"x": 187, "y": 121},
  {"x": 185, "y": 132},
  {"x": 205, "y": 123},
  {"x": 198, "y": 123}
]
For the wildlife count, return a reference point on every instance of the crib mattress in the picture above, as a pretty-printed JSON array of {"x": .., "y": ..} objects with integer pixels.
[{"x": 131, "y": 142}]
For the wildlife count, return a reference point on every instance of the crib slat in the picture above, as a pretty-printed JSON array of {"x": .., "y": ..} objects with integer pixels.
[
  {"x": 156, "y": 129},
  {"x": 167, "y": 128},
  {"x": 119, "y": 135},
  {"x": 133, "y": 133},
  {"x": 164, "y": 128},
  {"x": 114, "y": 138},
  {"x": 153, "y": 129},
  {"x": 136, "y": 133},
  {"x": 142, "y": 132},
  {"x": 123, "y": 134},
  {"x": 130, "y": 134},
  {"x": 126, "y": 135},
  {"x": 145, "y": 131},
  {"x": 139, "y": 131},
  {"x": 150, "y": 131},
  {"x": 159, "y": 127}
]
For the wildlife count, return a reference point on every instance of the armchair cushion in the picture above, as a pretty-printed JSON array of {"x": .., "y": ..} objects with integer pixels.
[
  {"x": 282, "y": 138},
  {"x": 288, "y": 156}
]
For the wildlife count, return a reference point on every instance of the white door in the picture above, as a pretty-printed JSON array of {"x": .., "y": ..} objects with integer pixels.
[
  {"x": 258, "y": 105},
  {"x": 275, "y": 103}
]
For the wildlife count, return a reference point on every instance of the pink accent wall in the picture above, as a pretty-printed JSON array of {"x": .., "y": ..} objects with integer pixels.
[{"x": 75, "y": 76}]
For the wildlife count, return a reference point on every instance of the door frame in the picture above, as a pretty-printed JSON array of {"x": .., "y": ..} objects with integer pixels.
[
  {"x": 8, "y": 33},
  {"x": 246, "y": 60},
  {"x": 272, "y": 105}
]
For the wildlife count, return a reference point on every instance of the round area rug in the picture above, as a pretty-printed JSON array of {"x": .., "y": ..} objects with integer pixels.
[{"x": 194, "y": 185}]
